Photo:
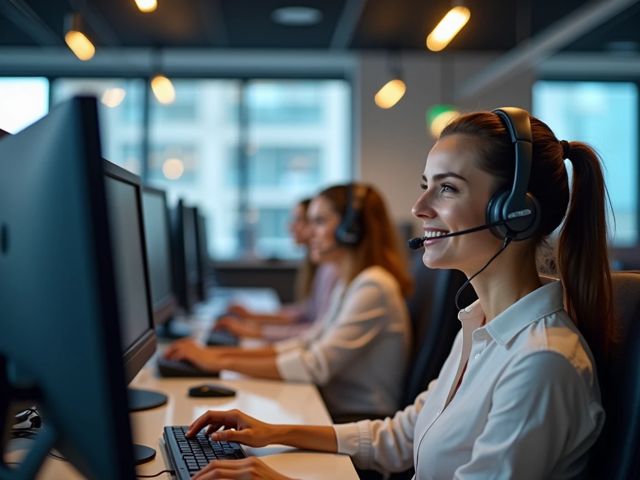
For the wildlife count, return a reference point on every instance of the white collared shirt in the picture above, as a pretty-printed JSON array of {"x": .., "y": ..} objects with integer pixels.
[
  {"x": 357, "y": 354},
  {"x": 528, "y": 406}
]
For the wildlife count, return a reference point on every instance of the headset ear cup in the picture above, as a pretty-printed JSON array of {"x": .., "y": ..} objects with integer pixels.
[
  {"x": 495, "y": 209},
  {"x": 494, "y": 213},
  {"x": 534, "y": 219}
]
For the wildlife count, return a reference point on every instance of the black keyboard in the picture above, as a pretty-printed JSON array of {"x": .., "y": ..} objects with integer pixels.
[
  {"x": 189, "y": 455},
  {"x": 222, "y": 338},
  {"x": 177, "y": 368}
]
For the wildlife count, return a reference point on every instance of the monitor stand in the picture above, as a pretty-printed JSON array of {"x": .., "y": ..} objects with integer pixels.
[
  {"x": 142, "y": 454},
  {"x": 144, "y": 399}
]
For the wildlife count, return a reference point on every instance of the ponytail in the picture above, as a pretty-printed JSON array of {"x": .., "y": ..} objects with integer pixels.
[{"x": 582, "y": 251}]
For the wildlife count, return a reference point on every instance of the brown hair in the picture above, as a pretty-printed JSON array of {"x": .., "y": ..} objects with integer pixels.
[
  {"x": 379, "y": 243},
  {"x": 307, "y": 270},
  {"x": 582, "y": 247}
]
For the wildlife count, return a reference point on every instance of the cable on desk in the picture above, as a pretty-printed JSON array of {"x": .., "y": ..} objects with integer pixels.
[{"x": 172, "y": 472}]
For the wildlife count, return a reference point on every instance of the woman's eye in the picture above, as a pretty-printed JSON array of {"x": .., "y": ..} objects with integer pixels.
[{"x": 446, "y": 188}]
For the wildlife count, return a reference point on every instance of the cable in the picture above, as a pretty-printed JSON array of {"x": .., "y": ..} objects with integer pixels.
[
  {"x": 172, "y": 472},
  {"x": 507, "y": 241}
]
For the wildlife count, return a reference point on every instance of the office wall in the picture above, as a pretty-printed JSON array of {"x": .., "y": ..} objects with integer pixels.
[{"x": 392, "y": 145}]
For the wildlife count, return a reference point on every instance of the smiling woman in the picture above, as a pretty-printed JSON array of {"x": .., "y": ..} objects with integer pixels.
[{"x": 518, "y": 395}]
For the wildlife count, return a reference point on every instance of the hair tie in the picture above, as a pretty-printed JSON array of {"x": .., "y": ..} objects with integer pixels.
[{"x": 566, "y": 148}]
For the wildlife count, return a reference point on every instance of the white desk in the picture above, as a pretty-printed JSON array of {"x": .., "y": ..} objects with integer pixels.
[{"x": 271, "y": 401}]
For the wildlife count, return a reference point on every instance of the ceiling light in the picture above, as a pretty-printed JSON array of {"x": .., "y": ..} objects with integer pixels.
[
  {"x": 76, "y": 40},
  {"x": 449, "y": 26},
  {"x": 296, "y": 16},
  {"x": 390, "y": 93},
  {"x": 163, "y": 89},
  {"x": 146, "y": 6},
  {"x": 112, "y": 97}
]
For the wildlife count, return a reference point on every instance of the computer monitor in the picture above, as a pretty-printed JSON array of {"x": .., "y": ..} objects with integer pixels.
[
  {"x": 160, "y": 263},
  {"x": 204, "y": 273},
  {"x": 124, "y": 204},
  {"x": 185, "y": 246},
  {"x": 60, "y": 347}
]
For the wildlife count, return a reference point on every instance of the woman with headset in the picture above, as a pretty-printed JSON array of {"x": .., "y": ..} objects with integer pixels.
[
  {"x": 518, "y": 395},
  {"x": 358, "y": 352}
]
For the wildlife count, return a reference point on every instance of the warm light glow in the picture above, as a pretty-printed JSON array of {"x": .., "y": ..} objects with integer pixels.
[
  {"x": 147, "y": 6},
  {"x": 80, "y": 45},
  {"x": 390, "y": 93},
  {"x": 163, "y": 89},
  {"x": 439, "y": 116},
  {"x": 113, "y": 97},
  {"x": 442, "y": 121},
  {"x": 173, "y": 168},
  {"x": 449, "y": 26}
]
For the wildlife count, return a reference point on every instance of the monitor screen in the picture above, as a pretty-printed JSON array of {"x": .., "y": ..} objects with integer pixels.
[
  {"x": 203, "y": 258},
  {"x": 60, "y": 346},
  {"x": 190, "y": 219},
  {"x": 124, "y": 202},
  {"x": 185, "y": 247},
  {"x": 157, "y": 236}
]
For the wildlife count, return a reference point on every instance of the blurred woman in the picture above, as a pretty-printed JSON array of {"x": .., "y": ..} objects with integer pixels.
[{"x": 314, "y": 285}]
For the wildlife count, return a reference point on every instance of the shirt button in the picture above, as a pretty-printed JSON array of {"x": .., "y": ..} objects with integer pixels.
[{"x": 476, "y": 356}]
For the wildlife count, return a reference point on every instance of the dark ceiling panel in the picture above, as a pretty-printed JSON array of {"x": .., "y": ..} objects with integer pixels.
[
  {"x": 495, "y": 25},
  {"x": 620, "y": 35},
  {"x": 249, "y": 24}
]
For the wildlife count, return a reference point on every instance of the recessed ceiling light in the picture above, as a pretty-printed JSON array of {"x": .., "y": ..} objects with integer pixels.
[{"x": 296, "y": 16}]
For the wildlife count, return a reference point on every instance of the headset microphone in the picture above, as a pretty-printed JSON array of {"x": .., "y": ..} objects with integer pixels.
[{"x": 416, "y": 242}]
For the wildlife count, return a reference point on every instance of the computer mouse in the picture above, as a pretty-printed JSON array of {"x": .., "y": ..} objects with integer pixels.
[{"x": 211, "y": 390}]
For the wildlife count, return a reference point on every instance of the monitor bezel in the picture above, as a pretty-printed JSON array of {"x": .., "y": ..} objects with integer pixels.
[
  {"x": 166, "y": 309},
  {"x": 142, "y": 349}
]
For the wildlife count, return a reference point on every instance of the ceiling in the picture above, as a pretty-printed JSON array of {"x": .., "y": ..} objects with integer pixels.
[{"x": 354, "y": 25}]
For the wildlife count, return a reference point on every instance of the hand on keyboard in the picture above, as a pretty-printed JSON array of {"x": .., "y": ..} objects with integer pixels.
[
  {"x": 178, "y": 368},
  {"x": 245, "y": 429},
  {"x": 189, "y": 351},
  {"x": 250, "y": 467}
]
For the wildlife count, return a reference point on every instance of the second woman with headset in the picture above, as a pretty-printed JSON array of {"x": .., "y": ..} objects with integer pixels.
[{"x": 357, "y": 354}]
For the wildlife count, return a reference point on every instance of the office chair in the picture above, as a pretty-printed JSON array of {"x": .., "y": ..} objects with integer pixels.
[{"x": 616, "y": 454}]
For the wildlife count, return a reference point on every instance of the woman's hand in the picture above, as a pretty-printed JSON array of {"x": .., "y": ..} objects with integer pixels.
[
  {"x": 249, "y": 468},
  {"x": 239, "y": 427},
  {"x": 239, "y": 311},
  {"x": 188, "y": 350},
  {"x": 240, "y": 328}
]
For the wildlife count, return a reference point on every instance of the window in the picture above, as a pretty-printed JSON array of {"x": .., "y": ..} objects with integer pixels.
[
  {"x": 247, "y": 175},
  {"x": 243, "y": 151},
  {"x": 604, "y": 115},
  {"x": 23, "y": 100}
]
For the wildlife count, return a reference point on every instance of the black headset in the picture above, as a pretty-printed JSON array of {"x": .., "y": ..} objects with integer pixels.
[
  {"x": 516, "y": 212},
  {"x": 351, "y": 229}
]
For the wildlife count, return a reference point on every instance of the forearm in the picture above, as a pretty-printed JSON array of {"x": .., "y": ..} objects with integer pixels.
[
  {"x": 280, "y": 318},
  {"x": 241, "y": 352},
  {"x": 260, "y": 367},
  {"x": 319, "y": 438}
]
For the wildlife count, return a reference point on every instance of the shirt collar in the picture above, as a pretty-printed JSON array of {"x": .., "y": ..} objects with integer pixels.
[{"x": 540, "y": 303}]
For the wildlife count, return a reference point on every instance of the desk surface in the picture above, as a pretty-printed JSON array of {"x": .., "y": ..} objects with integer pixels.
[{"x": 271, "y": 401}]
